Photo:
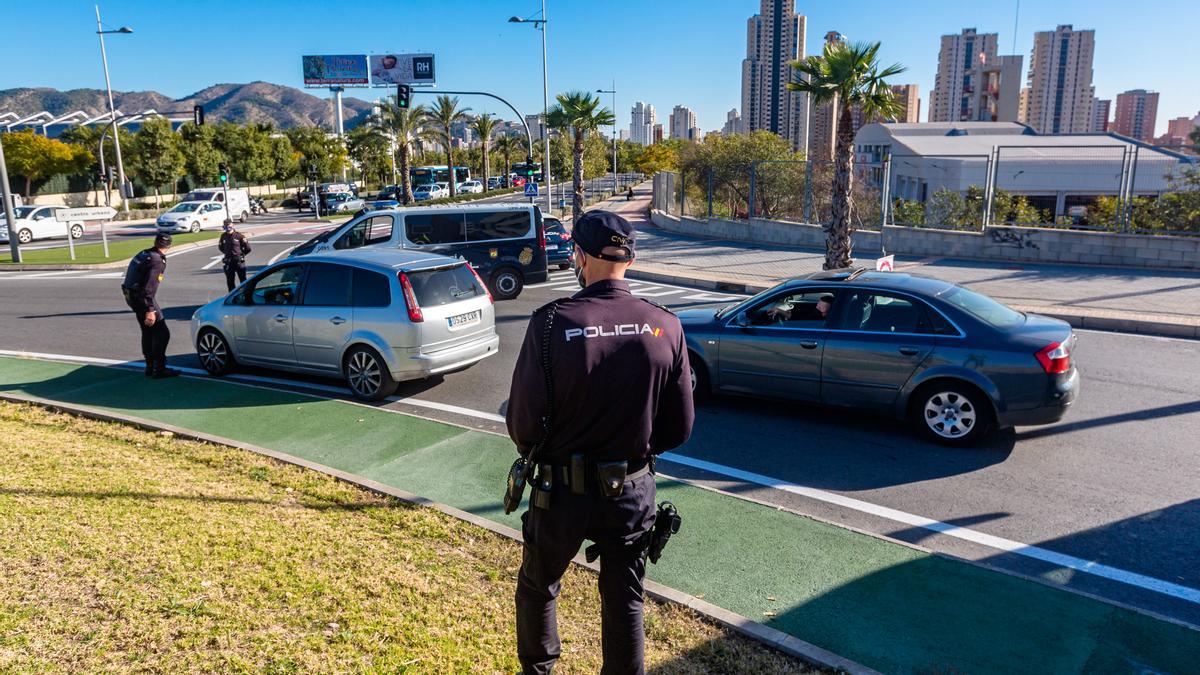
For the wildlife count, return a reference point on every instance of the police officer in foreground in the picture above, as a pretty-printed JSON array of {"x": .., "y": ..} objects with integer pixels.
[
  {"x": 614, "y": 391},
  {"x": 142, "y": 278},
  {"x": 234, "y": 247}
]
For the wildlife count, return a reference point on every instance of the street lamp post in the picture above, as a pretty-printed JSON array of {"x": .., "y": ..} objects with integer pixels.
[
  {"x": 613, "y": 91},
  {"x": 111, "y": 106},
  {"x": 540, "y": 24}
]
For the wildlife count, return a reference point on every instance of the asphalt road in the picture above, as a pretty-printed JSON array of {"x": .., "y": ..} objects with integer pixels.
[{"x": 1116, "y": 483}]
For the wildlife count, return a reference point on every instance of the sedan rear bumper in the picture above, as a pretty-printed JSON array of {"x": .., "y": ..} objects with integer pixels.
[
  {"x": 419, "y": 365},
  {"x": 1064, "y": 394}
]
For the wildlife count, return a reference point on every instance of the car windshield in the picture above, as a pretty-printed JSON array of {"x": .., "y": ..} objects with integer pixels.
[
  {"x": 983, "y": 308},
  {"x": 186, "y": 206}
]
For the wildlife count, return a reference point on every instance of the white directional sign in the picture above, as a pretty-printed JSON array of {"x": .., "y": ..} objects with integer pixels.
[
  {"x": 531, "y": 189},
  {"x": 85, "y": 213},
  {"x": 885, "y": 264}
]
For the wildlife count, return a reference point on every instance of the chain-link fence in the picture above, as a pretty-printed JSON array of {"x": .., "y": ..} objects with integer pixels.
[{"x": 1113, "y": 188}]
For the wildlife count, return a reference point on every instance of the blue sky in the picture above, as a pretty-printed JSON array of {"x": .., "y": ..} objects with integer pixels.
[{"x": 664, "y": 52}]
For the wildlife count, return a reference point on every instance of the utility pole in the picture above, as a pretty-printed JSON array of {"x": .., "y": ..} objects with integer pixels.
[
  {"x": 14, "y": 246},
  {"x": 112, "y": 106}
]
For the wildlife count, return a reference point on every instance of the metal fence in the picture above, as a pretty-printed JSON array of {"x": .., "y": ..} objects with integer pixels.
[{"x": 1121, "y": 188}]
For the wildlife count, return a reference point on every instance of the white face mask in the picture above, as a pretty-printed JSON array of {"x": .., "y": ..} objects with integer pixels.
[{"x": 579, "y": 271}]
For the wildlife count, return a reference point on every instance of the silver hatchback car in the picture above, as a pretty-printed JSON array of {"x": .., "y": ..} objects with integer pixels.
[{"x": 374, "y": 317}]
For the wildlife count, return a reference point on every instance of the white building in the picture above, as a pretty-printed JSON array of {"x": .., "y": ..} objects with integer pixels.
[
  {"x": 733, "y": 123},
  {"x": 683, "y": 124},
  {"x": 1054, "y": 171},
  {"x": 641, "y": 125},
  {"x": 1060, "y": 81},
  {"x": 952, "y": 87}
]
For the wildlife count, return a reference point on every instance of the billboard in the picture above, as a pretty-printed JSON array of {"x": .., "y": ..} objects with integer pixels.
[
  {"x": 401, "y": 69},
  {"x": 323, "y": 71}
]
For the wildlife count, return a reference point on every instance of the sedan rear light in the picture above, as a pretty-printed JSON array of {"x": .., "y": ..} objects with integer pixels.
[
  {"x": 1055, "y": 358},
  {"x": 481, "y": 284},
  {"x": 410, "y": 300},
  {"x": 542, "y": 237}
]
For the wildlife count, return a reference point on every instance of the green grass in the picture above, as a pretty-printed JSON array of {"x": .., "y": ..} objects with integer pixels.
[
  {"x": 118, "y": 249},
  {"x": 132, "y": 551}
]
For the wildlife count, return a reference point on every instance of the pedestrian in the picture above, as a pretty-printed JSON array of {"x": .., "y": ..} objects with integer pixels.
[
  {"x": 629, "y": 194},
  {"x": 601, "y": 386},
  {"x": 142, "y": 279},
  {"x": 234, "y": 246}
]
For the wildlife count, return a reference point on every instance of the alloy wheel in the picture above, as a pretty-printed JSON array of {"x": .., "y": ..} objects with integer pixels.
[
  {"x": 76, "y": 231},
  {"x": 950, "y": 414},
  {"x": 213, "y": 353},
  {"x": 24, "y": 236},
  {"x": 363, "y": 373}
]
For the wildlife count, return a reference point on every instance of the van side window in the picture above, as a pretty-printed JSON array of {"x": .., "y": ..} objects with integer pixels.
[
  {"x": 368, "y": 231},
  {"x": 489, "y": 225},
  {"x": 434, "y": 228}
]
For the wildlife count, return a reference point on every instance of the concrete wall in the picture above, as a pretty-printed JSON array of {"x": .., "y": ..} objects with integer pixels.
[{"x": 1016, "y": 244}]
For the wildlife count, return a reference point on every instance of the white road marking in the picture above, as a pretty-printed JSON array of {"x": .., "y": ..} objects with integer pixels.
[
  {"x": 712, "y": 297},
  {"x": 59, "y": 273},
  {"x": 655, "y": 294},
  {"x": 213, "y": 263},
  {"x": 966, "y": 534},
  {"x": 279, "y": 255}
]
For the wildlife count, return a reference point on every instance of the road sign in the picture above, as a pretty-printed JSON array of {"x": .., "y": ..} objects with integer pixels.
[
  {"x": 402, "y": 69},
  {"x": 85, "y": 213},
  {"x": 885, "y": 264},
  {"x": 531, "y": 189}
]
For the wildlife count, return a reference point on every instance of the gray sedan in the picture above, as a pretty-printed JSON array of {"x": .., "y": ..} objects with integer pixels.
[
  {"x": 954, "y": 362},
  {"x": 372, "y": 316}
]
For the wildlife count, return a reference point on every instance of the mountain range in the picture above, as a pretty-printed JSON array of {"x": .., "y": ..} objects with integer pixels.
[{"x": 241, "y": 103}]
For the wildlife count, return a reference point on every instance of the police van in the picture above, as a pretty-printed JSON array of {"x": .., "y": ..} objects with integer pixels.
[{"x": 505, "y": 243}]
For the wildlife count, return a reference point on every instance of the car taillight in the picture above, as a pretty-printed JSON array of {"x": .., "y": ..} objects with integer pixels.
[
  {"x": 410, "y": 300},
  {"x": 1055, "y": 358},
  {"x": 542, "y": 236},
  {"x": 481, "y": 284}
]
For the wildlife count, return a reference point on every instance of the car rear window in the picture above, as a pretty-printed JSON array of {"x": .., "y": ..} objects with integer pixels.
[
  {"x": 371, "y": 289},
  {"x": 984, "y": 308},
  {"x": 444, "y": 285}
]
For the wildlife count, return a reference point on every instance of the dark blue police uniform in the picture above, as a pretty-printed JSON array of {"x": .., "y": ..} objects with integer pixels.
[
  {"x": 140, "y": 287},
  {"x": 621, "y": 393}
]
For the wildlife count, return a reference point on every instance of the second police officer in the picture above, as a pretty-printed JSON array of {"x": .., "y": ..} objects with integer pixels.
[
  {"x": 615, "y": 391},
  {"x": 234, "y": 247}
]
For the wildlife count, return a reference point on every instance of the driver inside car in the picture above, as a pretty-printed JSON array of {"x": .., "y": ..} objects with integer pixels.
[{"x": 799, "y": 308}]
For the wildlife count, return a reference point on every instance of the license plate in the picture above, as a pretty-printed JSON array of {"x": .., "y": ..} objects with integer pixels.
[
  {"x": 551, "y": 247},
  {"x": 464, "y": 319}
]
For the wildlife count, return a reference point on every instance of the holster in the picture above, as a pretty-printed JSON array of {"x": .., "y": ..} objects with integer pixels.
[{"x": 514, "y": 489}]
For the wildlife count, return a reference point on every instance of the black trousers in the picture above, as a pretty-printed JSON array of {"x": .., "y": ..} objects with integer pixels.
[
  {"x": 237, "y": 269},
  {"x": 154, "y": 338},
  {"x": 552, "y": 537}
]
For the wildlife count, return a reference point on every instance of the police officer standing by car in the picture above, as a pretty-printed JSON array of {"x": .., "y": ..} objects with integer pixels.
[
  {"x": 140, "y": 287},
  {"x": 234, "y": 247},
  {"x": 601, "y": 386}
]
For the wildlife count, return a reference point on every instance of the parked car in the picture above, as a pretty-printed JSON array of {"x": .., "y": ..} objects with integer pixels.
[
  {"x": 470, "y": 187},
  {"x": 505, "y": 243},
  {"x": 954, "y": 362},
  {"x": 422, "y": 193},
  {"x": 558, "y": 243},
  {"x": 37, "y": 222},
  {"x": 374, "y": 318},
  {"x": 239, "y": 200},
  {"x": 339, "y": 202},
  {"x": 495, "y": 182},
  {"x": 192, "y": 217},
  {"x": 390, "y": 192}
]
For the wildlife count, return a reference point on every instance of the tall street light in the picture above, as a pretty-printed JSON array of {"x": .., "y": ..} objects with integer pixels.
[
  {"x": 540, "y": 24},
  {"x": 613, "y": 91},
  {"x": 111, "y": 106}
]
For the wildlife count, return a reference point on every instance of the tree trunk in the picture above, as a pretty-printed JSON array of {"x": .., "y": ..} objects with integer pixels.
[
  {"x": 837, "y": 243},
  {"x": 450, "y": 162},
  {"x": 405, "y": 179},
  {"x": 28, "y": 187},
  {"x": 485, "y": 165},
  {"x": 157, "y": 198},
  {"x": 577, "y": 176}
]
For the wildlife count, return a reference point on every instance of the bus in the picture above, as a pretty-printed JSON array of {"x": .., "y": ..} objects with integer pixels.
[
  {"x": 522, "y": 169},
  {"x": 421, "y": 175}
]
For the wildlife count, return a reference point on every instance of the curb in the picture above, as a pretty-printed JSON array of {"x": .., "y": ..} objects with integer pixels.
[
  {"x": 773, "y": 638},
  {"x": 1102, "y": 320},
  {"x": 35, "y": 267}
]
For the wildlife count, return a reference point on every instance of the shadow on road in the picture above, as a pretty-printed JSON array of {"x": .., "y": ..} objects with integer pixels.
[
  {"x": 180, "y": 313},
  {"x": 1158, "y": 413}
]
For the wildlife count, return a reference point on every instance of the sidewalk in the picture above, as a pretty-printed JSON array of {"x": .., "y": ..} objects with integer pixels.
[
  {"x": 1105, "y": 298},
  {"x": 887, "y": 606}
]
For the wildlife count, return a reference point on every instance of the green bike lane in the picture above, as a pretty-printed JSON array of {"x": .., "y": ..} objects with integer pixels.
[{"x": 888, "y": 606}]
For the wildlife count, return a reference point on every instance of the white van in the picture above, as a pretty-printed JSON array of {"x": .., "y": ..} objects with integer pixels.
[{"x": 239, "y": 200}]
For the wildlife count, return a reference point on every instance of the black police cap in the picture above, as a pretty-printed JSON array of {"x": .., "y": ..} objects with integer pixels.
[
  {"x": 162, "y": 240},
  {"x": 597, "y": 230}
]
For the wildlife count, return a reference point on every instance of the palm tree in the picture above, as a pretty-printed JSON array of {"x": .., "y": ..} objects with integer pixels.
[
  {"x": 847, "y": 77},
  {"x": 408, "y": 128},
  {"x": 445, "y": 113},
  {"x": 485, "y": 125},
  {"x": 508, "y": 145},
  {"x": 578, "y": 112}
]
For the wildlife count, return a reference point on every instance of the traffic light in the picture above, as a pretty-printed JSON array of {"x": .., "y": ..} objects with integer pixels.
[
  {"x": 112, "y": 175},
  {"x": 223, "y": 173},
  {"x": 198, "y": 115},
  {"x": 532, "y": 168},
  {"x": 403, "y": 92}
]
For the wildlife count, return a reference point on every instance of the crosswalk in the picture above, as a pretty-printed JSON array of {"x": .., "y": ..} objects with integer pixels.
[{"x": 564, "y": 282}]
